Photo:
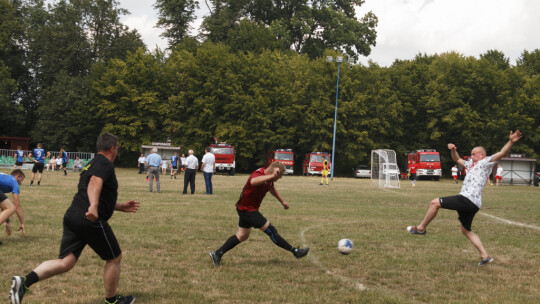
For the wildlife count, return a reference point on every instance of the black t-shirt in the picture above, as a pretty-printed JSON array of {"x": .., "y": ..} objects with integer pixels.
[{"x": 103, "y": 168}]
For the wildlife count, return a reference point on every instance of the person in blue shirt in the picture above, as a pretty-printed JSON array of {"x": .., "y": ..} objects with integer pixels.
[
  {"x": 65, "y": 160},
  {"x": 19, "y": 158},
  {"x": 10, "y": 183},
  {"x": 174, "y": 165},
  {"x": 38, "y": 157},
  {"x": 153, "y": 161}
]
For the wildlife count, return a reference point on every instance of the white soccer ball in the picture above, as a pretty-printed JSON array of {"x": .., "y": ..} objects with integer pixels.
[{"x": 345, "y": 246}]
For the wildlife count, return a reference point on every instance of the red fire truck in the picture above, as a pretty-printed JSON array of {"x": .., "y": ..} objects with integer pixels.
[
  {"x": 224, "y": 154},
  {"x": 429, "y": 163},
  {"x": 286, "y": 156},
  {"x": 313, "y": 163}
]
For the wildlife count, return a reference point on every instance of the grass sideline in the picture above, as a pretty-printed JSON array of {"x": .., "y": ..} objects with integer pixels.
[{"x": 166, "y": 245}]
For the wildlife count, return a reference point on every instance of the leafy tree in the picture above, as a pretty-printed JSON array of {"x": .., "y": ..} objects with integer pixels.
[
  {"x": 175, "y": 17},
  {"x": 530, "y": 62}
]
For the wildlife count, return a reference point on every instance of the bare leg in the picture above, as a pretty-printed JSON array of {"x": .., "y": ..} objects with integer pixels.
[
  {"x": 51, "y": 268},
  {"x": 111, "y": 276},
  {"x": 475, "y": 240},
  {"x": 7, "y": 208},
  {"x": 434, "y": 207}
]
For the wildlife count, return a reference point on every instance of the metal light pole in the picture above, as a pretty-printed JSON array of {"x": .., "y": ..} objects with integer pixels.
[{"x": 339, "y": 60}]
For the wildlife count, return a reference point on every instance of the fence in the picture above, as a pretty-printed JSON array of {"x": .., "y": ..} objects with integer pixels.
[{"x": 7, "y": 158}]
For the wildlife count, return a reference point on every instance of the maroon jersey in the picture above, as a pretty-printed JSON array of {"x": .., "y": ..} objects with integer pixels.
[{"x": 252, "y": 196}]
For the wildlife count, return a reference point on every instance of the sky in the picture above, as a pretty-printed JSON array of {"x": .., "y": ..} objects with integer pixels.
[{"x": 410, "y": 27}]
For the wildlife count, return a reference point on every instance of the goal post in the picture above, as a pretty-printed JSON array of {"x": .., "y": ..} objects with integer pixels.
[{"x": 384, "y": 168}]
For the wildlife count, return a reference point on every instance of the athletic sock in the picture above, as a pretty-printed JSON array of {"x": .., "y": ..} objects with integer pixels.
[
  {"x": 230, "y": 243},
  {"x": 31, "y": 182},
  {"x": 30, "y": 279},
  {"x": 271, "y": 231},
  {"x": 39, "y": 182}
]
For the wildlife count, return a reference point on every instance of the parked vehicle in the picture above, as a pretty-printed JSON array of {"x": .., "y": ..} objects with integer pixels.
[
  {"x": 313, "y": 163},
  {"x": 362, "y": 171},
  {"x": 224, "y": 154},
  {"x": 429, "y": 163},
  {"x": 286, "y": 156}
]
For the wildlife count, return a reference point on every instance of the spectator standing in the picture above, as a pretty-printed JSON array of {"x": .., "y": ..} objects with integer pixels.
[
  {"x": 183, "y": 162},
  {"x": 164, "y": 166},
  {"x": 38, "y": 158},
  {"x": 10, "y": 183},
  {"x": 141, "y": 161},
  {"x": 498, "y": 176},
  {"x": 86, "y": 223},
  {"x": 154, "y": 162},
  {"x": 19, "y": 158},
  {"x": 209, "y": 168},
  {"x": 454, "y": 173},
  {"x": 192, "y": 164}
]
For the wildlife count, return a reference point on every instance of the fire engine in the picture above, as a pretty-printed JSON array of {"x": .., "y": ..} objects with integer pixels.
[
  {"x": 429, "y": 163},
  {"x": 224, "y": 154},
  {"x": 286, "y": 156},
  {"x": 313, "y": 163}
]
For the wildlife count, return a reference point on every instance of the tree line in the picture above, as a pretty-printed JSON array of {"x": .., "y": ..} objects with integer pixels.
[{"x": 71, "y": 71}]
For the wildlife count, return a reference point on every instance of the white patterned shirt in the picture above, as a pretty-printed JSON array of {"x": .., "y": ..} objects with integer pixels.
[{"x": 475, "y": 180}]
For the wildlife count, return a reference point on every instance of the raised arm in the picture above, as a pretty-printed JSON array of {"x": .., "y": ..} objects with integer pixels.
[
  {"x": 513, "y": 138},
  {"x": 455, "y": 155}
]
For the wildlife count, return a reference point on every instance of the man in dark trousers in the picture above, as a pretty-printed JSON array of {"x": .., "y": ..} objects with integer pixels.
[
  {"x": 85, "y": 223},
  {"x": 258, "y": 184},
  {"x": 192, "y": 164}
]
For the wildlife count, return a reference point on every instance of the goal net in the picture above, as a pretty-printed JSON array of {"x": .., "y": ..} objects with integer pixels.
[{"x": 384, "y": 168}]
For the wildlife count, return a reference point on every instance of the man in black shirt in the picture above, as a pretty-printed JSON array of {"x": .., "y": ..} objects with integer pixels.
[{"x": 85, "y": 223}]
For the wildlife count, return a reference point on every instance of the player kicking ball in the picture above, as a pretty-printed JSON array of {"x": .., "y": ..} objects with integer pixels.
[
  {"x": 258, "y": 184},
  {"x": 469, "y": 200}
]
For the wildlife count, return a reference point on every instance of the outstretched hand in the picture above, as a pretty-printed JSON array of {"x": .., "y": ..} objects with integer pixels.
[
  {"x": 131, "y": 206},
  {"x": 515, "y": 136},
  {"x": 451, "y": 146}
]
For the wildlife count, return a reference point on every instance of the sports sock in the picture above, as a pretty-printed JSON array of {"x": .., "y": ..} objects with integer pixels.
[
  {"x": 38, "y": 182},
  {"x": 31, "y": 279},
  {"x": 230, "y": 243},
  {"x": 271, "y": 231},
  {"x": 31, "y": 182}
]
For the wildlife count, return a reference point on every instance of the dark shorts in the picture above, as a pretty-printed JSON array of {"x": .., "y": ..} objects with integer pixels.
[
  {"x": 413, "y": 176},
  {"x": 64, "y": 165},
  {"x": 38, "y": 167},
  {"x": 3, "y": 197},
  {"x": 79, "y": 232},
  {"x": 464, "y": 207},
  {"x": 18, "y": 163},
  {"x": 174, "y": 167},
  {"x": 250, "y": 219}
]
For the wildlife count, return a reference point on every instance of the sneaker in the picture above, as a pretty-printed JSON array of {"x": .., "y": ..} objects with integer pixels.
[
  {"x": 486, "y": 261},
  {"x": 122, "y": 300},
  {"x": 1, "y": 243},
  {"x": 300, "y": 252},
  {"x": 414, "y": 230},
  {"x": 17, "y": 290},
  {"x": 320, "y": 184},
  {"x": 216, "y": 259}
]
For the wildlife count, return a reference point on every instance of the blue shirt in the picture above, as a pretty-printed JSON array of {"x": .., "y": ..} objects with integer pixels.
[
  {"x": 20, "y": 156},
  {"x": 39, "y": 154},
  {"x": 8, "y": 184},
  {"x": 64, "y": 157},
  {"x": 154, "y": 160},
  {"x": 174, "y": 159}
]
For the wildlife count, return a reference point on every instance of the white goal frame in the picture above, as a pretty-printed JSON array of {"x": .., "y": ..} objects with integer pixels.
[{"x": 384, "y": 169}]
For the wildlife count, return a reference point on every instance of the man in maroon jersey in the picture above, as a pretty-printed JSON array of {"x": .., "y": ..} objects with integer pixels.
[{"x": 258, "y": 184}]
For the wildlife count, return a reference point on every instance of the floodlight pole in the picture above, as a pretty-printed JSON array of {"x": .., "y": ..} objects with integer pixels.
[{"x": 338, "y": 59}]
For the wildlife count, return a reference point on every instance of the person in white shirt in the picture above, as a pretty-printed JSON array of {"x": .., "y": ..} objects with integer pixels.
[
  {"x": 454, "y": 173},
  {"x": 183, "y": 162},
  {"x": 58, "y": 163},
  {"x": 469, "y": 200},
  {"x": 141, "y": 161},
  {"x": 164, "y": 166},
  {"x": 208, "y": 167},
  {"x": 192, "y": 164},
  {"x": 498, "y": 176}
]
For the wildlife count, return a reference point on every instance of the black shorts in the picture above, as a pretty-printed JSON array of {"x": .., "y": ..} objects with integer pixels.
[
  {"x": 174, "y": 167},
  {"x": 250, "y": 219},
  {"x": 3, "y": 197},
  {"x": 38, "y": 167},
  {"x": 18, "y": 163},
  {"x": 413, "y": 176},
  {"x": 64, "y": 165},
  {"x": 464, "y": 207},
  {"x": 79, "y": 232}
]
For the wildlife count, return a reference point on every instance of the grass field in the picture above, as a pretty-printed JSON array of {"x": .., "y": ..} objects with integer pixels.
[{"x": 166, "y": 245}]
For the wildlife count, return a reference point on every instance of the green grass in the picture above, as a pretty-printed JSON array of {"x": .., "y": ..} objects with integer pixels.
[{"x": 166, "y": 245}]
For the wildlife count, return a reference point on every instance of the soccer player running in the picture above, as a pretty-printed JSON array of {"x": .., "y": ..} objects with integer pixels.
[
  {"x": 85, "y": 223},
  {"x": 10, "y": 183},
  {"x": 258, "y": 184},
  {"x": 38, "y": 157},
  {"x": 65, "y": 160},
  {"x": 469, "y": 200}
]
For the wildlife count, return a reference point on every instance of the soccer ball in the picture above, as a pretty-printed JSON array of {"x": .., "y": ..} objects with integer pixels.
[{"x": 345, "y": 246}]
